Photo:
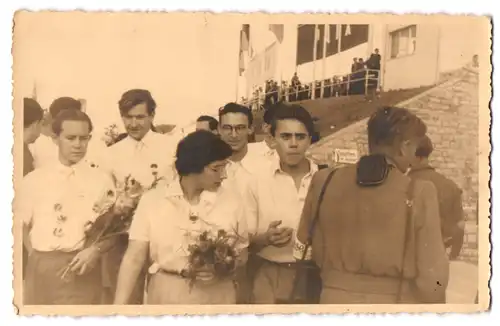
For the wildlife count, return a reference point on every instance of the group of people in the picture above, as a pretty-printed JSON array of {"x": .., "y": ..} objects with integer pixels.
[
  {"x": 363, "y": 80},
  {"x": 375, "y": 232}
]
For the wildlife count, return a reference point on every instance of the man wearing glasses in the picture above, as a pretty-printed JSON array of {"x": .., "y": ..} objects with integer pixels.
[{"x": 235, "y": 126}]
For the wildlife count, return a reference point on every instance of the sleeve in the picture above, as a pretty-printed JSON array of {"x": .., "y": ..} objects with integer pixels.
[
  {"x": 431, "y": 259},
  {"x": 456, "y": 206},
  {"x": 24, "y": 201},
  {"x": 250, "y": 204},
  {"x": 304, "y": 223},
  {"x": 140, "y": 227}
]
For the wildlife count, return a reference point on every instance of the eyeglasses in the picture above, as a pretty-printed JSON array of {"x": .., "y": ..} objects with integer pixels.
[{"x": 238, "y": 129}]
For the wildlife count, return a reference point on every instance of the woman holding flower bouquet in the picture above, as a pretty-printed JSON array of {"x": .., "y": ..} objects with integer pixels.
[{"x": 193, "y": 231}]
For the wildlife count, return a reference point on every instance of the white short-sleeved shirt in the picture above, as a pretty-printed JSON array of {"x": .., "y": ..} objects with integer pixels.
[
  {"x": 57, "y": 202},
  {"x": 162, "y": 219},
  {"x": 278, "y": 199},
  {"x": 140, "y": 159}
]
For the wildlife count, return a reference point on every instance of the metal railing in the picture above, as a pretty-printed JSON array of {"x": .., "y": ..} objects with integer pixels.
[{"x": 361, "y": 82}]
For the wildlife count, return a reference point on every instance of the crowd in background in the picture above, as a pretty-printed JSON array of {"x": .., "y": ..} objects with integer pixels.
[{"x": 362, "y": 80}]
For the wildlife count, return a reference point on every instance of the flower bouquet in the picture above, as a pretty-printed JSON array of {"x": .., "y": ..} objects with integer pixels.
[
  {"x": 211, "y": 253},
  {"x": 114, "y": 214}
]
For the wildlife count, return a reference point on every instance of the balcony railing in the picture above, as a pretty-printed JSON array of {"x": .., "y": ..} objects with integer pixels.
[{"x": 362, "y": 82}]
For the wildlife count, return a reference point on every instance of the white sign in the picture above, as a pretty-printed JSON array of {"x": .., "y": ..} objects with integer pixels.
[{"x": 346, "y": 156}]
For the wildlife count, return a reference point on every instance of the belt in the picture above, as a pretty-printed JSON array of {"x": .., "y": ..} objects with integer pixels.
[
  {"x": 182, "y": 273},
  {"x": 280, "y": 264}
]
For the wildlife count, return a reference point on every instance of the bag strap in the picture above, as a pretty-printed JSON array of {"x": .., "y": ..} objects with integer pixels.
[
  {"x": 315, "y": 219},
  {"x": 310, "y": 233},
  {"x": 408, "y": 224}
]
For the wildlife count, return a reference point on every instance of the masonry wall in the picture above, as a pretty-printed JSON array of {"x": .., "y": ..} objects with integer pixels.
[{"x": 450, "y": 111}]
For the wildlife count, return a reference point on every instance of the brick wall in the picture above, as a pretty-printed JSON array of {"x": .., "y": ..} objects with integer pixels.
[{"x": 450, "y": 111}]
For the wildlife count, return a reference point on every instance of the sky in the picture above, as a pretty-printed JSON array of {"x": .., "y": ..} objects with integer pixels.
[{"x": 188, "y": 62}]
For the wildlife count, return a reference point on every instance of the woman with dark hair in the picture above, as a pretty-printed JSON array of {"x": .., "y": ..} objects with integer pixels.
[
  {"x": 169, "y": 220},
  {"x": 377, "y": 238}
]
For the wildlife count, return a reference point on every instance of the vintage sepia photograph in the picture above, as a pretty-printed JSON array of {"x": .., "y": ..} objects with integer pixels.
[{"x": 262, "y": 163}]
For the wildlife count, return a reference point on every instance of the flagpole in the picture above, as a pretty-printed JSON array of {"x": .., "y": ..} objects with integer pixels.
[
  {"x": 313, "y": 93},
  {"x": 326, "y": 41}
]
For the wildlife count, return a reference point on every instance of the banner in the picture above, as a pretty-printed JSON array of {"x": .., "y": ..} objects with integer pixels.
[{"x": 305, "y": 44}]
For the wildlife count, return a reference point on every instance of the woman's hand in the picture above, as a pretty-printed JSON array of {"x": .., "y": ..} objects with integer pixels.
[{"x": 85, "y": 260}]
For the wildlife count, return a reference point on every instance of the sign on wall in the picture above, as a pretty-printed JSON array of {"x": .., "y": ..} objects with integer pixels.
[{"x": 345, "y": 156}]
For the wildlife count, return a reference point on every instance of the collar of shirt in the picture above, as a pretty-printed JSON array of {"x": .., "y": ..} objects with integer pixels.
[
  {"x": 69, "y": 171},
  {"x": 174, "y": 190},
  {"x": 276, "y": 167},
  {"x": 145, "y": 142},
  {"x": 420, "y": 167}
]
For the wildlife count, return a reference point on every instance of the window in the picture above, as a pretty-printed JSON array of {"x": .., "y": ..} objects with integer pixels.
[{"x": 404, "y": 41}]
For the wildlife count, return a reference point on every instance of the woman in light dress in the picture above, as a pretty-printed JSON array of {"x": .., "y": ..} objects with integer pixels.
[{"x": 169, "y": 219}]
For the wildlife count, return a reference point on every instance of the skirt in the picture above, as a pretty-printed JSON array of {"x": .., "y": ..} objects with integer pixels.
[
  {"x": 166, "y": 288},
  {"x": 44, "y": 286}
]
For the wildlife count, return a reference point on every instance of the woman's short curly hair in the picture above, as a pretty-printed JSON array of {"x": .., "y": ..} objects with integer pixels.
[
  {"x": 390, "y": 126},
  {"x": 199, "y": 149}
]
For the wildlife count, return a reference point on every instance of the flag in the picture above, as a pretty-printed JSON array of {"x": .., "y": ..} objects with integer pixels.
[
  {"x": 278, "y": 30},
  {"x": 348, "y": 30},
  {"x": 33, "y": 92},
  {"x": 244, "y": 41}
]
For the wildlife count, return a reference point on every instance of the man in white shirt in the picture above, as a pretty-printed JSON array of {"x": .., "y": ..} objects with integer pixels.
[
  {"x": 56, "y": 203},
  {"x": 235, "y": 126},
  {"x": 144, "y": 155},
  {"x": 280, "y": 191},
  {"x": 45, "y": 151}
]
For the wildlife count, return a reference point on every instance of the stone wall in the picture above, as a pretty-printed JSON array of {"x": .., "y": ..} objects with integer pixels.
[{"x": 450, "y": 111}]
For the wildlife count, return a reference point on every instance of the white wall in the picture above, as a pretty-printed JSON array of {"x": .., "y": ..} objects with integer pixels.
[{"x": 415, "y": 70}]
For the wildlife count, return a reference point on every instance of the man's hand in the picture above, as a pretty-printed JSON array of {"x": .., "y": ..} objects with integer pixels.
[
  {"x": 276, "y": 236},
  {"x": 85, "y": 260}
]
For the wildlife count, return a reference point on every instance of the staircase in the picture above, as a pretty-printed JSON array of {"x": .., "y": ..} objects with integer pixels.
[{"x": 336, "y": 113}]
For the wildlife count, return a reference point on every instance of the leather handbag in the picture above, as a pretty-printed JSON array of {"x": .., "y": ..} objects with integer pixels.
[{"x": 307, "y": 284}]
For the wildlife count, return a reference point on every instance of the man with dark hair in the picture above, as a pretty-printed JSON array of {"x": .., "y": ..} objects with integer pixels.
[
  {"x": 146, "y": 156},
  {"x": 208, "y": 123},
  {"x": 142, "y": 147},
  {"x": 235, "y": 126},
  {"x": 279, "y": 191},
  {"x": 55, "y": 203},
  {"x": 33, "y": 115},
  {"x": 44, "y": 150},
  {"x": 449, "y": 196}
]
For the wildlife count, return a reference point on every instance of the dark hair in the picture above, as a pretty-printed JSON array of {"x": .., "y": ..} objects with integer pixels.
[
  {"x": 64, "y": 103},
  {"x": 199, "y": 149},
  {"x": 390, "y": 126},
  {"x": 292, "y": 112},
  {"x": 236, "y": 108},
  {"x": 70, "y": 115},
  {"x": 212, "y": 122},
  {"x": 33, "y": 112},
  {"x": 269, "y": 113},
  {"x": 425, "y": 147},
  {"x": 135, "y": 97}
]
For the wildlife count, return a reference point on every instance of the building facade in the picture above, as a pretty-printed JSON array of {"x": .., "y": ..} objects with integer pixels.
[{"x": 413, "y": 55}]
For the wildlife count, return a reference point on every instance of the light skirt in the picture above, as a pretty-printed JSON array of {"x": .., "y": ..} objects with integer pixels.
[{"x": 166, "y": 289}]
